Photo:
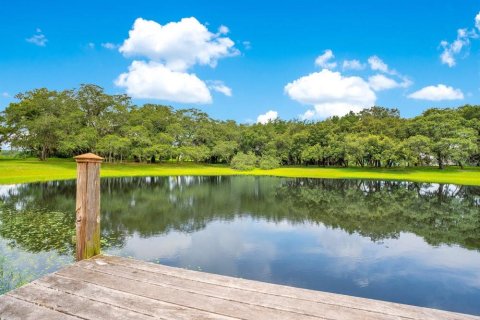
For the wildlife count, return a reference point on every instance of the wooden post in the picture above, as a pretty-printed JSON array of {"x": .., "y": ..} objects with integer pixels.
[{"x": 88, "y": 206}]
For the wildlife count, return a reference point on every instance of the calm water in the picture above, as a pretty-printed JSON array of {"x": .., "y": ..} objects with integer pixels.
[{"x": 405, "y": 242}]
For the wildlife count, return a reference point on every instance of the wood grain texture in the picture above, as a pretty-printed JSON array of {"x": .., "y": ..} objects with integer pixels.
[
  {"x": 394, "y": 309},
  {"x": 85, "y": 308},
  {"x": 14, "y": 309},
  {"x": 80, "y": 210},
  {"x": 155, "y": 308},
  {"x": 106, "y": 287},
  {"x": 87, "y": 207}
]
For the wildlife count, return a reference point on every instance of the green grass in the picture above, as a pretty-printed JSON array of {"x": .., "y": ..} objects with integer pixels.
[{"x": 32, "y": 170}]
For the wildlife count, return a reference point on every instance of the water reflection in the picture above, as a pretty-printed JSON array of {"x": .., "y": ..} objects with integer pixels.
[{"x": 399, "y": 241}]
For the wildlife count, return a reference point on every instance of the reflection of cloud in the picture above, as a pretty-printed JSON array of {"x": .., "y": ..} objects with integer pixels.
[
  {"x": 250, "y": 248},
  {"x": 429, "y": 188},
  {"x": 7, "y": 190},
  {"x": 309, "y": 255},
  {"x": 279, "y": 226},
  {"x": 443, "y": 256},
  {"x": 152, "y": 248},
  {"x": 362, "y": 282},
  {"x": 182, "y": 181},
  {"x": 13, "y": 190},
  {"x": 367, "y": 261},
  {"x": 222, "y": 247},
  {"x": 334, "y": 243}
]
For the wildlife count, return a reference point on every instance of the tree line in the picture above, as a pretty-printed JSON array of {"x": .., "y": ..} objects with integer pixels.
[{"x": 48, "y": 123}]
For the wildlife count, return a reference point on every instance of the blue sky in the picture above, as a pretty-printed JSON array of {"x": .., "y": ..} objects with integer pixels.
[{"x": 239, "y": 60}]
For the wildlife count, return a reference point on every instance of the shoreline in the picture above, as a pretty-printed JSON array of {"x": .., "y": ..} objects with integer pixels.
[{"x": 16, "y": 171}]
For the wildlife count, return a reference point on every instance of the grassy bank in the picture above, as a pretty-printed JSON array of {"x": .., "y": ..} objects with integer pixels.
[{"x": 32, "y": 170}]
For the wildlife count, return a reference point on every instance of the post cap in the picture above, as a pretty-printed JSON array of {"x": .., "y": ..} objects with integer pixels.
[{"x": 88, "y": 157}]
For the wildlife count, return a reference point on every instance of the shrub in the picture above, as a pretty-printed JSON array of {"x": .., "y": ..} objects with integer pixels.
[
  {"x": 269, "y": 162},
  {"x": 242, "y": 161}
]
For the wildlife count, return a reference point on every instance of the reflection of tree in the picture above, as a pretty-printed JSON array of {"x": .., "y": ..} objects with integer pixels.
[
  {"x": 158, "y": 205},
  {"x": 40, "y": 216},
  {"x": 438, "y": 213}
]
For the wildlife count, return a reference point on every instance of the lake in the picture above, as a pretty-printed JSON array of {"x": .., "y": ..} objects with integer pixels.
[{"x": 414, "y": 243}]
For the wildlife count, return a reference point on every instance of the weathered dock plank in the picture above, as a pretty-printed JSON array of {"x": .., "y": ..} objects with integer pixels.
[
  {"x": 155, "y": 308},
  {"x": 13, "y": 309},
  {"x": 107, "y": 287}
]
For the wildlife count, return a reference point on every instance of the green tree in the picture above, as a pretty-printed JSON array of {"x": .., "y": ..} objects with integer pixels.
[
  {"x": 223, "y": 151},
  {"x": 268, "y": 162},
  {"x": 244, "y": 161},
  {"x": 446, "y": 130},
  {"x": 355, "y": 149},
  {"x": 65, "y": 123},
  {"x": 416, "y": 150},
  {"x": 312, "y": 154},
  {"x": 38, "y": 121}
]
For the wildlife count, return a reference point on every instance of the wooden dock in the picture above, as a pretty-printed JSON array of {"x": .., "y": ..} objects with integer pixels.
[{"x": 107, "y": 287}]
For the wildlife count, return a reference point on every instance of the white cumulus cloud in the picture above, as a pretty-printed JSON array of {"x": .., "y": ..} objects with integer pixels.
[
  {"x": 377, "y": 64},
  {"x": 325, "y": 110},
  {"x": 38, "y": 38},
  {"x": 219, "y": 86},
  {"x": 153, "y": 80},
  {"x": 173, "y": 49},
  {"x": 330, "y": 93},
  {"x": 323, "y": 60},
  {"x": 437, "y": 93},
  {"x": 452, "y": 49},
  {"x": 380, "y": 82},
  {"x": 353, "y": 65},
  {"x": 109, "y": 45},
  {"x": 309, "y": 114},
  {"x": 223, "y": 30},
  {"x": 178, "y": 45},
  {"x": 5, "y": 94},
  {"x": 269, "y": 116}
]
